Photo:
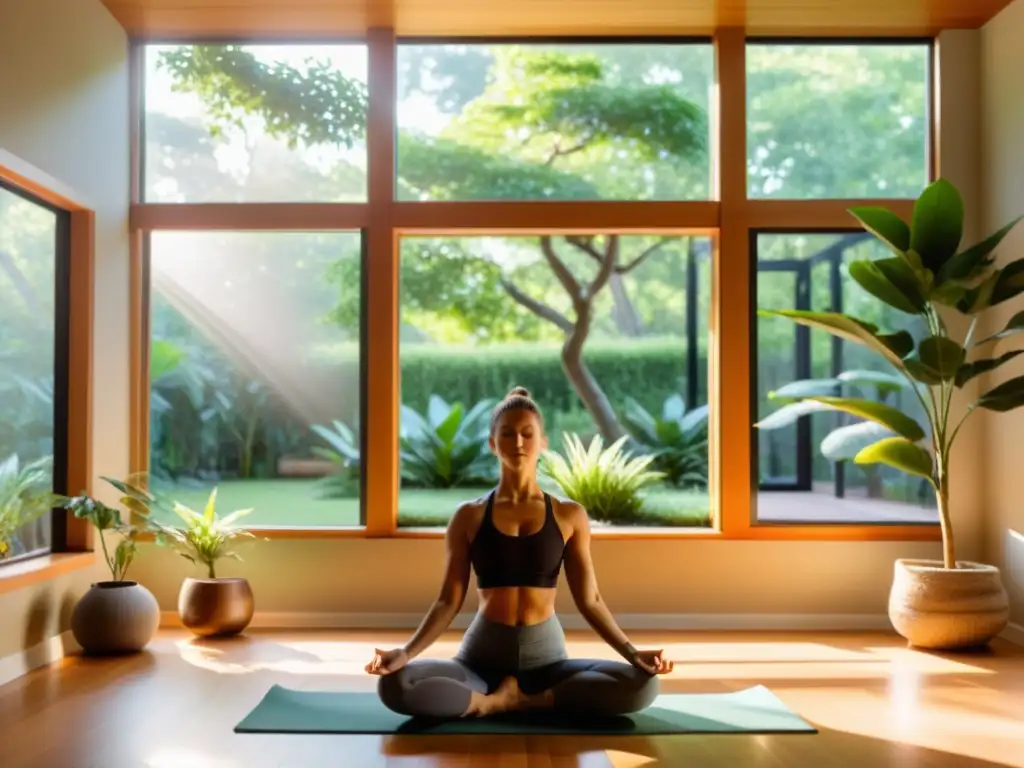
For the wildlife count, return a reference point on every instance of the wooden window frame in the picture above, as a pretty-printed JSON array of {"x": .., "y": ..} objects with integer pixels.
[
  {"x": 72, "y": 538},
  {"x": 728, "y": 217}
]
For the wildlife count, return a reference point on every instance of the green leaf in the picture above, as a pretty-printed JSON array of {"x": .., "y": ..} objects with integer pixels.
[
  {"x": 978, "y": 367},
  {"x": 1005, "y": 397},
  {"x": 806, "y": 387},
  {"x": 892, "y": 281},
  {"x": 937, "y": 223},
  {"x": 844, "y": 443},
  {"x": 885, "y": 382},
  {"x": 942, "y": 355},
  {"x": 921, "y": 372},
  {"x": 949, "y": 294},
  {"x": 900, "y": 453},
  {"x": 1015, "y": 325},
  {"x": 1009, "y": 284},
  {"x": 881, "y": 413},
  {"x": 891, "y": 346},
  {"x": 966, "y": 264},
  {"x": 885, "y": 225},
  {"x": 978, "y": 299},
  {"x": 789, "y": 414}
]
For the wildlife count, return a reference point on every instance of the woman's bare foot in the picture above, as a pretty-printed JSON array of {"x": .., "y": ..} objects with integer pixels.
[{"x": 507, "y": 697}]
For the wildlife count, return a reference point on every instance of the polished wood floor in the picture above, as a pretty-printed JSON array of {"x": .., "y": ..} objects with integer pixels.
[{"x": 875, "y": 702}]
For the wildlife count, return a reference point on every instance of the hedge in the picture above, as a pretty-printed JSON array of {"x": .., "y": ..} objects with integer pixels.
[{"x": 647, "y": 369}]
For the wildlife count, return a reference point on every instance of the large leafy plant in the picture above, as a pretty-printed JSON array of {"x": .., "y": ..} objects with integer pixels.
[
  {"x": 447, "y": 446},
  {"x": 25, "y": 496},
  {"x": 928, "y": 276},
  {"x": 677, "y": 438},
  {"x": 605, "y": 481},
  {"x": 344, "y": 453}
]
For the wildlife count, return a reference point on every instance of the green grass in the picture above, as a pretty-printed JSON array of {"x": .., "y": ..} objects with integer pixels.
[{"x": 297, "y": 503}]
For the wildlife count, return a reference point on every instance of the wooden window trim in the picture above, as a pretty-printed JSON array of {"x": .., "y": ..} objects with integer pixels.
[
  {"x": 77, "y": 536},
  {"x": 728, "y": 217}
]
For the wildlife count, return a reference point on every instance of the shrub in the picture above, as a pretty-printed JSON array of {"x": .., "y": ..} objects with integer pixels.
[
  {"x": 447, "y": 447},
  {"x": 605, "y": 481},
  {"x": 677, "y": 439}
]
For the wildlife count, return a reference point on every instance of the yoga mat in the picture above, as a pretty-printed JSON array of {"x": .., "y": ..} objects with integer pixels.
[{"x": 753, "y": 710}]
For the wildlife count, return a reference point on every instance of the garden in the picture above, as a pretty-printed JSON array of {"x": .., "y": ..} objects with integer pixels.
[{"x": 256, "y": 355}]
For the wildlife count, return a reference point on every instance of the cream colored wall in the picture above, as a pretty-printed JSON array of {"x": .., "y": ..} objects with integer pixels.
[
  {"x": 1002, "y": 165},
  {"x": 64, "y": 97}
]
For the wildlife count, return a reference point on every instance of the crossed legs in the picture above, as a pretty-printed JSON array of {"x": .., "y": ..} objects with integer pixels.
[{"x": 451, "y": 688}]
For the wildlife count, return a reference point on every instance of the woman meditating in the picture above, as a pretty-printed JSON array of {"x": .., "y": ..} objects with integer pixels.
[{"x": 513, "y": 656}]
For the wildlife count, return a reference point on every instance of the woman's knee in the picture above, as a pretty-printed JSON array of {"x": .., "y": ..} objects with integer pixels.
[
  {"x": 644, "y": 693},
  {"x": 392, "y": 691}
]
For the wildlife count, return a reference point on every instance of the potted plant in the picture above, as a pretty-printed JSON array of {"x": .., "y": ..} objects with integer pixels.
[
  {"x": 946, "y": 603},
  {"x": 25, "y": 496},
  {"x": 116, "y": 616},
  {"x": 212, "y": 606}
]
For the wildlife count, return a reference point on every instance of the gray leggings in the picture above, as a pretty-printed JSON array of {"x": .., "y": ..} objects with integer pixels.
[{"x": 536, "y": 656}]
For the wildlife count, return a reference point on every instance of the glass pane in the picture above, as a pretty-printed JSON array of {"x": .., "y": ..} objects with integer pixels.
[
  {"x": 480, "y": 315},
  {"x": 797, "y": 482},
  {"x": 255, "y": 123},
  {"x": 254, "y": 368},
  {"x": 837, "y": 121},
  {"x": 28, "y": 336},
  {"x": 556, "y": 122}
]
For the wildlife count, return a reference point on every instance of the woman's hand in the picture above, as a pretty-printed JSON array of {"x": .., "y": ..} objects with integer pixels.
[
  {"x": 653, "y": 662},
  {"x": 386, "y": 662}
]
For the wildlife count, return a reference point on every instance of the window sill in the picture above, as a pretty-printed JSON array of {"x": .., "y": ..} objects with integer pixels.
[
  {"x": 43, "y": 568},
  {"x": 764, "y": 532}
]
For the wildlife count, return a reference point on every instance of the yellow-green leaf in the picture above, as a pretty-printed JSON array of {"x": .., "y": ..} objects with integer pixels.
[{"x": 900, "y": 453}]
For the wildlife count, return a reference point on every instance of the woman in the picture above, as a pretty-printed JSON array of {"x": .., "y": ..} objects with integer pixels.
[{"x": 513, "y": 655}]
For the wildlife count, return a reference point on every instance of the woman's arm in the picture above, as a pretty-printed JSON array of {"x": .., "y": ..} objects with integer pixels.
[
  {"x": 579, "y": 572},
  {"x": 453, "y": 588}
]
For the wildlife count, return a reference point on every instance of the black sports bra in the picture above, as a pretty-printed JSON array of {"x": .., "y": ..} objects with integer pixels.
[{"x": 501, "y": 560}]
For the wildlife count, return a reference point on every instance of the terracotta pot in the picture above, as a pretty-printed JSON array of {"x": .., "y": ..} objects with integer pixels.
[
  {"x": 215, "y": 607},
  {"x": 947, "y": 608},
  {"x": 115, "y": 617}
]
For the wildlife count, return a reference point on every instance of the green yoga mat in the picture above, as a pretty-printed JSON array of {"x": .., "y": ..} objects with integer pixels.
[{"x": 753, "y": 710}]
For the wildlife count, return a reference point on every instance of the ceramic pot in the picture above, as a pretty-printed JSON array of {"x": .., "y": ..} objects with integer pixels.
[
  {"x": 947, "y": 608},
  {"x": 215, "y": 607},
  {"x": 115, "y": 617}
]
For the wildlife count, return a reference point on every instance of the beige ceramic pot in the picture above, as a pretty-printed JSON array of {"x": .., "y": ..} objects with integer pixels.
[
  {"x": 115, "y": 617},
  {"x": 945, "y": 609},
  {"x": 215, "y": 607}
]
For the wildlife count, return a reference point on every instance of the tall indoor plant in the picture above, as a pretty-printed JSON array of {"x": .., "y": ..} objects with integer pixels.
[
  {"x": 947, "y": 603},
  {"x": 119, "y": 615}
]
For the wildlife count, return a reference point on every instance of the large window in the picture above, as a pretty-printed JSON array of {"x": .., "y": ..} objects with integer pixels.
[
  {"x": 609, "y": 334},
  {"x": 33, "y": 362},
  {"x": 418, "y": 225},
  {"x": 837, "y": 120},
  {"x": 254, "y": 373},
  {"x": 554, "y": 122},
  {"x": 255, "y": 123},
  {"x": 805, "y": 468}
]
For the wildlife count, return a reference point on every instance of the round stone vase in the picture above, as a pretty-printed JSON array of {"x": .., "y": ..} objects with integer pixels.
[
  {"x": 115, "y": 617},
  {"x": 215, "y": 607},
  {"x": 947, "y": 608}
]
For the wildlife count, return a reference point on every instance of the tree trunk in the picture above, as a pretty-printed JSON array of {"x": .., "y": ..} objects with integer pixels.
[
  {"x": 582, "y": 380},
  {"x": 627, "y": 320}
]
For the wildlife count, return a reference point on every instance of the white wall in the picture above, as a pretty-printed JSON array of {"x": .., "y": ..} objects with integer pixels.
[
  {"x": 64, "y": 109},
  {"x": 1002, "y": 162}
]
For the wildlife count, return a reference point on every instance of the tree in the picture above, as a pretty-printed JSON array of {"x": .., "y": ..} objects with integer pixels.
[{"x": 549, "y": 125}]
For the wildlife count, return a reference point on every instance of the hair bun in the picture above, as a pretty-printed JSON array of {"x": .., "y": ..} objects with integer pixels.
[{"x": 518, "y": 392}]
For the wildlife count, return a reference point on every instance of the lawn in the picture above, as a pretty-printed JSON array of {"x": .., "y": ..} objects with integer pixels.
[{"x": 298, "y": 503}]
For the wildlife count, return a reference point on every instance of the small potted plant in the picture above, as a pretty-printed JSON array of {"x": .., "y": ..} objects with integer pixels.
[
  {"x": 948, "y": 603},
  {"x": 116, "y": 616},
  {"x": 25, "y": 496},
  {"x": 212, "y": 606}
]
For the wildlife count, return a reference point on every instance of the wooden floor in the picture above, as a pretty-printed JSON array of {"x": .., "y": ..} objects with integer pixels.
[{"x": 875, "y": 702}]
